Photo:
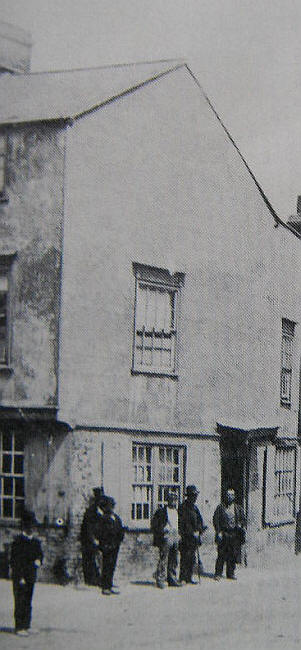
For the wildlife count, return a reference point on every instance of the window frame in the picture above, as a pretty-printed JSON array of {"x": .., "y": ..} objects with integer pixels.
[
  {"x": 3, "y": 164},
  {"x": 271, "y": 478},
  {"x": 157, "y": 279},
  {"x": 154, "y": 484},
  {"x": 286, "y": 373},
  {"x": 12, "y": 474},
  {"x": 6, "y": 262}
]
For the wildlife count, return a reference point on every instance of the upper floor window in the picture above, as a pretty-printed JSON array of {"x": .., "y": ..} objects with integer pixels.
[
  {"x": 11, "y": 474},
  {"x": 288, "y": 331},
  {"x": 3, "y": 155},
  {"x": 156, "y": 320}
]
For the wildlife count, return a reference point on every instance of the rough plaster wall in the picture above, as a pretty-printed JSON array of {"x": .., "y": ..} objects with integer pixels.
[
  {"x": 31, "y": 225},
  {"x": 92, "y": 452},
  {"x": 160, "y": 183}
]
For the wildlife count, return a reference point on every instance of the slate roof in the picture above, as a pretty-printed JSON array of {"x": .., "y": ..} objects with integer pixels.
[{"x": 44, "y": 96}]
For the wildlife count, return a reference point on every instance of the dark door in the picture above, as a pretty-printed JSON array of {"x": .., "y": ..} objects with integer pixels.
[{"x": 234, "y": 466}]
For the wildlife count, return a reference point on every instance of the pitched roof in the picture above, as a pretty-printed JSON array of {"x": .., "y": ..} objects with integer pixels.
[{"x": 69, "y": 94}]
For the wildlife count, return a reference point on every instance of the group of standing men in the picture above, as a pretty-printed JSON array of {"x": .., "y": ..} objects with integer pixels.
[
  {"x": 101, "y": 530},
  {"x": 181, "y": 531},
  {"x": 176, "y": 530}
]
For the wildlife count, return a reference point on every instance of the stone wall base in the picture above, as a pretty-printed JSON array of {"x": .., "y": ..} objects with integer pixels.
[{"x": 138, "y": 558}]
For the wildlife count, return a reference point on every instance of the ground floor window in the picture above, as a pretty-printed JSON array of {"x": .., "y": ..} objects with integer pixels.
[
  {"x": 11, "y": 474},
  {"x": 280, "y": 485},
  {"x": 156, "y": 468}
]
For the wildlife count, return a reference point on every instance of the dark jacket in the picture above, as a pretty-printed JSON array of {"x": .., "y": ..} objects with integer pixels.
[
  {"x": 158, "y": 524},
  {"x": 24, "y": 552},
  {"x": 221, "y": 522},
  {"x": 110, "y": 532},
  {"x": 190, "y": 522},
  {"x": 89, "y": 526}
]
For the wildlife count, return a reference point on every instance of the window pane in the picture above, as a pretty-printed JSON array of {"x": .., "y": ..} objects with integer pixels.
[
  {"x": 7, "y": 508},
  {"x": 18, "y": 465},
  {"x": 7, "y": 486},
  {"x": 19, "y": 487},
  {"x": 19, "y": 442},
  {"x": 7, "y": 464}
]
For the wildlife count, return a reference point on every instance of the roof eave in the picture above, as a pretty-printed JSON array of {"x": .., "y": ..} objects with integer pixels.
[{"x": 71, "y": 118}]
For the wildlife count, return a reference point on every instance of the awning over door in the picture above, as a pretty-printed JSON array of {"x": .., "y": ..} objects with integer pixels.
[{"x": 240, "y": 436}]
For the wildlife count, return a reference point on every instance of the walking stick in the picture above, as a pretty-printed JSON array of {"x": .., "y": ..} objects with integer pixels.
[{"x": 199, "y": 564}]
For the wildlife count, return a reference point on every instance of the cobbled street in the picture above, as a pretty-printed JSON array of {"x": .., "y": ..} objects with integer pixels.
[{"x": 261, "y": 610}]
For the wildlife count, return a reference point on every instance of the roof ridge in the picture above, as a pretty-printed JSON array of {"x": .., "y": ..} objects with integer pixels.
[
  {"x": 273, "y": 212},
  {"x": 175, "y": 61}
]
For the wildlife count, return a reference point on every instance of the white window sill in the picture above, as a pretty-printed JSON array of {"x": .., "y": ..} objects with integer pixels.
[{"x": 156, "y": 372}]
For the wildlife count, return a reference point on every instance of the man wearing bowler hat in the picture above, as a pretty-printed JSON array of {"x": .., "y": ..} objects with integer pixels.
[
  {"x": 88, "y": 538},
  {"x": 110, "y": 535},
  {"x": 26, "y": 557},
  {"x": 191, "y": 528}
]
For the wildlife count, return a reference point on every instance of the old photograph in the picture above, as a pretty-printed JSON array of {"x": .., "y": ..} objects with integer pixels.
[{"x": 150, "y": 313}]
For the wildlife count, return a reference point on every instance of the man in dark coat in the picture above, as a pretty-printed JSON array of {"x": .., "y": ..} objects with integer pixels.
[
  {"x": 191, "y": 528},
  {"x": 26, "y": 557},
  {"x": 88, "y": 538},
  {"x": 229, "y": 523},
  {"x": 110, "y": 533},
  {"x": 165, "y": 527}
]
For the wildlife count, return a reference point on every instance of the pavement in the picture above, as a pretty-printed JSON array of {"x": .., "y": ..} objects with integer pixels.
[{"x": 259, "y": 611}]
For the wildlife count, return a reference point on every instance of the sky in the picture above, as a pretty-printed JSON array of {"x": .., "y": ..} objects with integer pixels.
[{"x": 246, "y": 55}]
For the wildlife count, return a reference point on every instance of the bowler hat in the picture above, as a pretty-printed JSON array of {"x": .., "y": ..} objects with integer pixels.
[{"x": 192, "y": 489}]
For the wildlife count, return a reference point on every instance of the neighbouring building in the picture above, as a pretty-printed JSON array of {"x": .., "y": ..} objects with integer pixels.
[{"x": 149, "y": 310}]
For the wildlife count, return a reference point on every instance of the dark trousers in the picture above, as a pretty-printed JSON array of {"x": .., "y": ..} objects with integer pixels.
[
  {"x": 23, "y": 597},
  {"x": 226, "y": 553},
  {"x": 187, "y": 562},
  {"x": 109, "y": 559},
  {"x": 90, "y": 567}
]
